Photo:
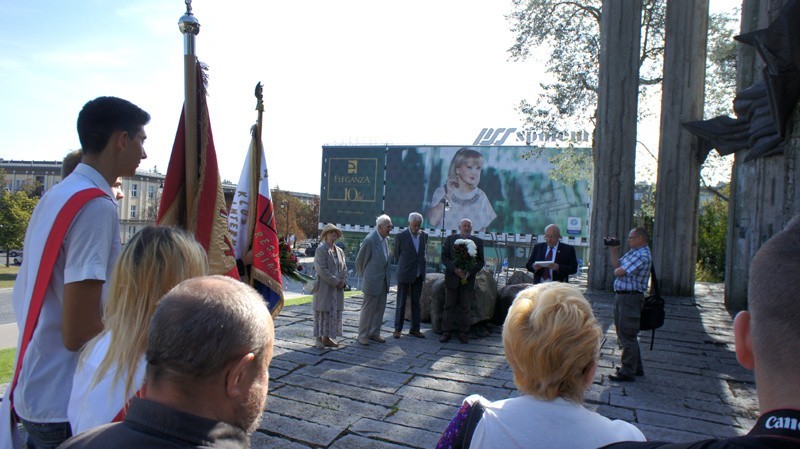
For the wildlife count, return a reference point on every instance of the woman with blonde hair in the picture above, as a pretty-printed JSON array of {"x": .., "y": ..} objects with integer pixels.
[
  {"x": 460, "y": 195},
  {"x": 552, "y": 342},
  {"x": 329, "y": 287},
  {"x": 111, "y": 366}
]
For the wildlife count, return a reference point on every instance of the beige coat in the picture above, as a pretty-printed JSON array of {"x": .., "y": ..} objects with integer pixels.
[{"x": 331, "y": 269}]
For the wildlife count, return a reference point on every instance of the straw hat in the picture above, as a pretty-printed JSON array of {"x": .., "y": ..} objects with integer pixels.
[{"x": 330, "y": 227}]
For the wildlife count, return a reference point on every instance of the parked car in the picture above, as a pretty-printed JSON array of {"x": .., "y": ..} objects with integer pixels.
[
  {"x": 15, "y": 252},
  {"x": 18, "y": 258},
  {"x": 311, "y": 249}
]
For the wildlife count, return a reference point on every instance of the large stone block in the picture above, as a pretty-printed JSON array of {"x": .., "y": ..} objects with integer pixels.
[
  {"x": 432, "y": 287},
  {"x": 520, "y": 277},
  {"x": 504, "y": 300},
  {"x": 481, "y": 309}
]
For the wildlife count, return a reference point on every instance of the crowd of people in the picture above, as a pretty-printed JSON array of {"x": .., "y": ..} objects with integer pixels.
[{"x": 140, "y": 347}]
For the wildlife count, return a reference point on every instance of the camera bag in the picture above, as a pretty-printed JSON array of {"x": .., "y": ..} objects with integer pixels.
[{"x": 653, "y": 313}]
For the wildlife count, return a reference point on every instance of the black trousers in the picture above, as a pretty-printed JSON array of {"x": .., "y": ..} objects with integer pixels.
[{"x": 404, "y": 290}]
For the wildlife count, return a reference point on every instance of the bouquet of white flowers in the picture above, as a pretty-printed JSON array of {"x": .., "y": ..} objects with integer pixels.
[{"x": 464, "y": 254}]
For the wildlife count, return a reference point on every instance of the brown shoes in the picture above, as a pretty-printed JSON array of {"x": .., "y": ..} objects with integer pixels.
[
  {"x": 417, "y": 334},
  {"x": 445, "y": 337},
  {"x": 330, "y": 343},
  {"x": 378, "y": 338},
  {"x": 396, "y": 334},
  {"x": 463, "y": 338}
]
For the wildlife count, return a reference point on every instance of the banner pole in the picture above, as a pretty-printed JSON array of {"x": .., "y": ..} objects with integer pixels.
[{"x": 190, "y": 27}]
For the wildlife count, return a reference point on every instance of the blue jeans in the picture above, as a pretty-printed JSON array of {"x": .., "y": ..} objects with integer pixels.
[{"x": 46, "y": 435}]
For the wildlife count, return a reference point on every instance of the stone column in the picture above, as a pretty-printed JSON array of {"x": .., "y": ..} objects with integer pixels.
[
  {"x": 614, "y": 146},
  {"x": 677, "y": 191}
]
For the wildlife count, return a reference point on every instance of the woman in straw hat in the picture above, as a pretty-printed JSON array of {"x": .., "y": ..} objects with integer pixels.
[{"x": 329, "y": 292}]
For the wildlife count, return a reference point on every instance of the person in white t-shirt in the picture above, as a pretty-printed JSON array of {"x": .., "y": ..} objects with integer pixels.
[
  {"x": 111, "y": 366},
  {"x": 552, "y": 342},
  {"x": 112, "y": 135}
]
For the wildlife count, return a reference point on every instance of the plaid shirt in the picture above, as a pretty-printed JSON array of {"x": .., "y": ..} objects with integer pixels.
[{"x": 636, "y": 264}]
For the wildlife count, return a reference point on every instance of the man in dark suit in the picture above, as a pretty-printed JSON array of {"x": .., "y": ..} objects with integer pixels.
[
  {"x": 458, "y": 295},
  {"x": 561, "y": 258},
  {"x": 409, "y": 250}
]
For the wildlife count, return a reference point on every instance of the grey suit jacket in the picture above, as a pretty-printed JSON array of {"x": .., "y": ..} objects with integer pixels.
[
  {"x": 330, "y": 270},
  {"x": 373, "y": 265},
  {"x": 409, "y": 260}
]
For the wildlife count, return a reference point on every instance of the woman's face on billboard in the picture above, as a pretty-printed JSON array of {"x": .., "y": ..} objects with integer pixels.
[{"x": 470, "y": 172}]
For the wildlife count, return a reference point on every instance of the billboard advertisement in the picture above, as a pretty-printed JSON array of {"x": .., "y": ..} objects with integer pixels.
[
  {"x": 495, "y": 187},
  {"x": 352, "y": 185}
]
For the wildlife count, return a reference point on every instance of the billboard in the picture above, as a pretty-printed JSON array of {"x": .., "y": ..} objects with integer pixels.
[
  {"x": 352, "y": 185},
  {"x": 494, "y": 186}
]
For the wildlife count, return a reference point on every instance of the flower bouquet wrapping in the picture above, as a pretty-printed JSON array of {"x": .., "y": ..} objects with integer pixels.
[
  {"x": 464, "y": 254},
  {"x": 289, "y": 266}
]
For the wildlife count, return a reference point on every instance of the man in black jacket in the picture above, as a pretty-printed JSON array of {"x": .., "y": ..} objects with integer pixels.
[
  {"x": 459, "y": 284},
  {"x": 409, "y": 250},
  {"x": 560, "y": 258}
]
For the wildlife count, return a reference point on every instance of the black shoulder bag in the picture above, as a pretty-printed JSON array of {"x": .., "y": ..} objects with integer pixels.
[{"x": 653, "y": 313}]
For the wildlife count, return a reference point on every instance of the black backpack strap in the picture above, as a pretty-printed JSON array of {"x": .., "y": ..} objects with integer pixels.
[
  {"x": 652, "y": 339},
  {"x": 658, "y": 293},
  {"x": 654, "y": 287},
  {"x": 475, "y": 415}
]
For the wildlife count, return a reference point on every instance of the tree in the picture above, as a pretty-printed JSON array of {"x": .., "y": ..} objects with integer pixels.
[
  {"x": 15, "y": 213},
  {"x": 289, "y": 213},
  {"x": 308, "y": 219},
  {"x": 711, "y": 238},
  {"x": 571, "y": 33}
]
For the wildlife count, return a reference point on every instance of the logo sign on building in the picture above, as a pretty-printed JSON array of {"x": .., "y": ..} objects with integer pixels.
[
  {"x": 352, "y": 185},
  {"x": 500, "y": 136}
]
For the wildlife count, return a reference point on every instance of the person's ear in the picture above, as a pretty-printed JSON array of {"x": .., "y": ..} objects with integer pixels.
[
  {"x": 120, "y": 139},
  {"x": 588, "y": 374},
  {"x": 237, "y": 375},
  {"x": 743, "y": 339}
]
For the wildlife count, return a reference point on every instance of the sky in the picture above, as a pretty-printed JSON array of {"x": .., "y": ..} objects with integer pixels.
[{"x": 334, "y": 73}]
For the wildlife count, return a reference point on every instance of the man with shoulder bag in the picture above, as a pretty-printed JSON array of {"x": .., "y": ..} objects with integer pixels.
[{"x": 632, "y": 272}]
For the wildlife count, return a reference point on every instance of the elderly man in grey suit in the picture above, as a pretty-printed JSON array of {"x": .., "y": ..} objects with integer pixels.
[
  {"x": 409, "y": 250},
  {"x": 372, "y": 263}
]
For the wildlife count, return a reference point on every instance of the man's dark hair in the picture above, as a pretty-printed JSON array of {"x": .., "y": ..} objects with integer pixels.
[{"x": 103, "y": 116}]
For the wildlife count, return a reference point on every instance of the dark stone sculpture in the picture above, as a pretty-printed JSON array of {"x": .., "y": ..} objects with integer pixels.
[{"x": 762, "y": 109}]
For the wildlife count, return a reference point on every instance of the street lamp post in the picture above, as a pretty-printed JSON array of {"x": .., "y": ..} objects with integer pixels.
[
  {"x": 285, "y": 207},
  {"x": 444, "y": 215}
]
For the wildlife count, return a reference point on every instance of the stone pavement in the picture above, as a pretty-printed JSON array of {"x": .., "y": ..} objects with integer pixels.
[{"x": 402, "y": 394}]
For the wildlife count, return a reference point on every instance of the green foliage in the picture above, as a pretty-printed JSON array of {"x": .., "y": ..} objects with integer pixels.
[
  {"x": 570, "y": 165},
  {"x": 711, "y": 232},
  {"x": 645, "y": 215},
  {"x": 7, "y": 364},
  {"x": 571, "y": 33},
  {"x": 721, "y": 64},
  {"x": 15, "y": 212},
  {"x": 308, "y": 219},
  {"x": 289, "y": 208},
  {"x": 8, "y": 275}
]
